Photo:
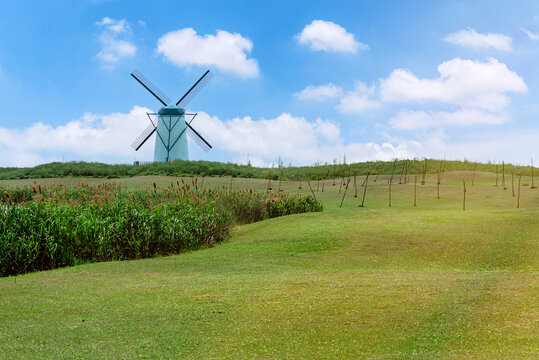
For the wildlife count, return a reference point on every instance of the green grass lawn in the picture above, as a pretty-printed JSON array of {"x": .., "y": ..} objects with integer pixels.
[{"x": 379, "y": 282}]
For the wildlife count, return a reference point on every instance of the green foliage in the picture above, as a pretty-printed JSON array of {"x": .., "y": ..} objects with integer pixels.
[
  {"x": 62, "y": 226},
  {"x": 208, "y": 168}
]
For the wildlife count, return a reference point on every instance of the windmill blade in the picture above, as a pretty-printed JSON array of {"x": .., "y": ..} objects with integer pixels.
[
  {"x": 148, "y": 85},
  {"x": 194, "y": 89},
  {"x": 143, "y": 137},
  {"x": 193, "y": 134}
]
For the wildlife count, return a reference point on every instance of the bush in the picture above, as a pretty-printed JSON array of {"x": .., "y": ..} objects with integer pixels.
[{"x": 62, "y": 226}]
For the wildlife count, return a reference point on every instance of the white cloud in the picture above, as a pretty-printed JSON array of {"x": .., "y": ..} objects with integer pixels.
[
  {"x": 531, "y": 35},
  {"x": 358, "y": 100},
  {"x": 114, "y": 43},
  {"x": 294, "y": 139},
  {"x": 106, "y": 138},
  {"x": 113, "y": 25},
  {"x": 226, "y": 51},
  {"x": 327, "y": 36},
  {"x": 515, "y": 146},
  {"x": 470, "y": 38},
  {"x": 466, "y": 83},
  {"x": 319, "y": 93},
  {"x": 93, "y": 137},
  {"x": 409, "y": 120}
]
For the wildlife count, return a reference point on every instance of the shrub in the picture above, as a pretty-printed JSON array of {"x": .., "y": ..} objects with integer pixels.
[{"x": 62, "y": 226}]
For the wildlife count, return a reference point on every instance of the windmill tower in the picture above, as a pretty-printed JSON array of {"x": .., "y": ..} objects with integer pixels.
[{"x": 170, "y": 122}]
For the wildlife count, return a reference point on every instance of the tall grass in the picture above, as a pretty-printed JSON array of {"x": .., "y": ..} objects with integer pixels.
[{"x": 62, "y": 226}]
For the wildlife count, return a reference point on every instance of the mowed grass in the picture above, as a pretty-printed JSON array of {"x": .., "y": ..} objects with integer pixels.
[{"x": 378, "y": 282}]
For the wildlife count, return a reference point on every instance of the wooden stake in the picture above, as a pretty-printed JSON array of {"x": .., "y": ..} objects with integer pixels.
[
  {"x": 424, "y": 173},
  {"x": 533, "y": 184},
  {"x": 402, "y": 172},
  {"x": 309, "y": 183},
  {"x": 518, "y": 197},
  {"x": 344, "y": 194},
  {"x": 323, "y": 185},
  {"x": 439, "y": 181},
  {"x": 464, "y": 195},
  {"x": 496, "y": 175},
  {"x": 364, "y": 192},
  {"x": 415, "y": 190},
  {"x": 300, "y": 187},
  {"x": 390, "y": 181},
  {"x": 513, "y": 182},
  {"x": 503, "y": 175},
  {"x": 438, "y": 186},
  {"x": 355, "y": 185},
  {"x": 406, "y": 172},
  {"x": 368, "y": 173}
]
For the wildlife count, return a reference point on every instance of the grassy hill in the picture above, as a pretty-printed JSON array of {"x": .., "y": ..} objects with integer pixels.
[
  {"x": 399, "y": 282},
  {"x": 209, "y": 168}
]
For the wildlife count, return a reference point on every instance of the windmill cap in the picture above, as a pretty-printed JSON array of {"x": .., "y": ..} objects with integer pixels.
[{"x": 171, "y": 110}]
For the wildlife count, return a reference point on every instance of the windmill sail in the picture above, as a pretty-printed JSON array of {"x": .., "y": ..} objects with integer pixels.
[
  {"x": 143, "y": 137},
  {"x": 193, "y": 134},
  {"x": 194, "y": 89},
  {"x": 171, "y": 140},
  {"x": 148, "y": 85}
]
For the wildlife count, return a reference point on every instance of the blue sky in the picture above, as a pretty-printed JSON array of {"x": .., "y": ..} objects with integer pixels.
[{"x": 304, "y": 81}]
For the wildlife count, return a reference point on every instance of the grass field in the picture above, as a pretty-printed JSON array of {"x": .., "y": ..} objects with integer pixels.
[{"x": 379, "y": 282}]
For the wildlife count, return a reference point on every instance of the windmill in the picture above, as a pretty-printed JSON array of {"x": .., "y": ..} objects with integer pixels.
[{"x": 169, "y": 122}]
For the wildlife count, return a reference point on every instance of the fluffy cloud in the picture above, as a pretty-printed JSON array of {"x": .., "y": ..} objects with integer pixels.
[
  {"x": 531, "y": 35},
  {"x": 358, "y": 100},
  {"x": 472, "y": 39},
  {"x": 466, "y": 83},
  {"x": 114, "y": 43},
  {"x": 294, "y": 139},
  {"x": 226, "y": 51},
  {"x": 113, "y": 25},
  {"x": 320, "y": 93},
  {"x": 515, "y": 146},
  {"x": 327, "y": 36},
  {"x": 408, "y": 120},
  {"x": 106, "y": 138},
  {"x": 94, "y": 137}
]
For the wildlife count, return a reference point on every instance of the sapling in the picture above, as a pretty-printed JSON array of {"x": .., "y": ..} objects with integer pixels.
[
  {"x": 513, "y": 182},
  {"x": 355, "y": 185},
  {"x": 518, "y": 196},
  {"x": 503, "y": 175},
  {"x": 415, "y": 190},
  {"x": 533, "y": 184},
  {"x": 309, "y": 183},
  {"x": 424, "y": 173},
  {"x": 473, "y": 175},
  {"x": 344, "y": 194},
  {"x": 464, "y": 195},
  {"x": 391, "y": 180},
  {"x": 364, "y": 191}
]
